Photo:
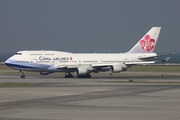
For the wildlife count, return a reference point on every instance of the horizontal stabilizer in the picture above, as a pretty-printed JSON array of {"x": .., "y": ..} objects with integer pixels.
[
  {"x": 154, "y": 56},
  {"x": 136, "y": 63}
]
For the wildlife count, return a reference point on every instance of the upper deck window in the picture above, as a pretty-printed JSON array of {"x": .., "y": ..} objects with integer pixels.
[{"x": 18, "y": 53}]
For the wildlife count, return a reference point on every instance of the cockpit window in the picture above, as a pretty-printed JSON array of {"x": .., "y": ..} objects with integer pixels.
[{"x": 18, "y": 53}]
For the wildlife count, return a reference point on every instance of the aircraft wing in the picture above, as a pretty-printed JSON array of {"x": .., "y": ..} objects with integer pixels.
[
  {"x": 121, "y": 63},
  {"x": 67, "y": 66},
  {"x": 100, "y": 65},
  {"x": 54, "y": 67},
  {"x": 89, "y": 65}
]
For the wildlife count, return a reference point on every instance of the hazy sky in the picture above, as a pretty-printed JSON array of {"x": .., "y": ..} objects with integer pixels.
[{"x": 87, "y": 25}]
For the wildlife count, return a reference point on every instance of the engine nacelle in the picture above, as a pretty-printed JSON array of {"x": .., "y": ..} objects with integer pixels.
[
  {"x": 81, "y": 71},
  {"x": 45, "y": 73},
  {"x": 118, "y": 68}
]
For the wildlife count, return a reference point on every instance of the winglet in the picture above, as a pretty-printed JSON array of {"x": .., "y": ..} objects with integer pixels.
[{"x": 147, "y": 43}]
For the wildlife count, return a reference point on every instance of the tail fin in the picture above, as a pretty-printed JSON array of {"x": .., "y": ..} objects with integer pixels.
[{"x": 147, "y": 43}]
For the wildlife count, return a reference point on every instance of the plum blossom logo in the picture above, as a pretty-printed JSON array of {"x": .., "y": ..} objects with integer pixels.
[{"x": 147, "y": 43}]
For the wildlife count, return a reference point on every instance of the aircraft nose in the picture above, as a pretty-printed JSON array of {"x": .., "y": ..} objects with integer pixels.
[{"x": 7, "y": 62}]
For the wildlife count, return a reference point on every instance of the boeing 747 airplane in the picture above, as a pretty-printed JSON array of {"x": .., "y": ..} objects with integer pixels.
[{"x": 46, "y": 61}]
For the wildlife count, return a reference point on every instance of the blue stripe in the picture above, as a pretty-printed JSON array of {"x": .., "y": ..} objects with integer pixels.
[{"x": 19, "y": 66}]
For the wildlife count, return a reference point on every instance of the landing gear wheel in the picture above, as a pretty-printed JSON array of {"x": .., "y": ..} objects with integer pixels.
[
  {"x": 84, "y": 76},
  {"x": 22, "y": 74},
  {"x": 69, "y": 75},
  {"x": 88, "y": 76}
]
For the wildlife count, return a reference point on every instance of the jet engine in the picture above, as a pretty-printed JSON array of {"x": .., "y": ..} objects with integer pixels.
[
  {"x": 81, "y": 71},
  {"x": 118, "y": 68},
  {"x": 45, "y": 73}
]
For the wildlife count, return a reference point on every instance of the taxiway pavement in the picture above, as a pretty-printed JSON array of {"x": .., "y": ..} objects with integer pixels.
[{"x": 102, "y": 97}]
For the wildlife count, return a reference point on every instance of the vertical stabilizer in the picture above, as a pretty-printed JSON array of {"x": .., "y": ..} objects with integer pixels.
[{"x": 148, "y": 42}]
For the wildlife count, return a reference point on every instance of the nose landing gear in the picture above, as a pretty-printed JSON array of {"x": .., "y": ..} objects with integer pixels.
[{"x": 22, "y": 74}]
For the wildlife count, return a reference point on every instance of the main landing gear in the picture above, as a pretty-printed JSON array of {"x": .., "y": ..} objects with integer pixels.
[
  {"x": 68, "y": 75},
  {"x": 84, "y": 76},
  {"x": 22, "y": 74}
]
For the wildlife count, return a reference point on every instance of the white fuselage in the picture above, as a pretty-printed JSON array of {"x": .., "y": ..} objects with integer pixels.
[{"x": 51, "y": 60}]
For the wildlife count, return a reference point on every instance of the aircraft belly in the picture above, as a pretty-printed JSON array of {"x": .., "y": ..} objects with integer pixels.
[{"x": 27, "y": 66}]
